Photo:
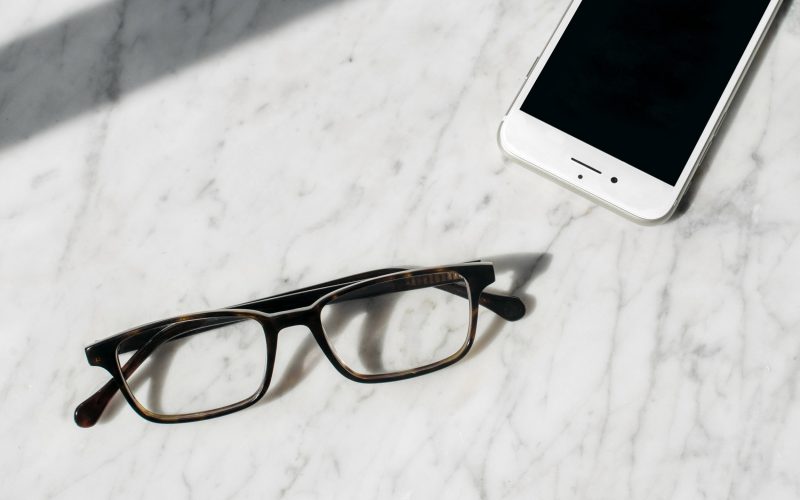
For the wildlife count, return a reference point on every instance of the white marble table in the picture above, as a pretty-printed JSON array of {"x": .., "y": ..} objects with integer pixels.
[{"x": 167, "y": 156}]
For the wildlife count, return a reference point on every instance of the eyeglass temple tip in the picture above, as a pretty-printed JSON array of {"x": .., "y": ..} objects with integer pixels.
[
  {"x": 515, "y": 309},
  {"x": 84, "y": 416},
  {"x": 507, "y": 307},
  {"x": 88, "y": 413}
]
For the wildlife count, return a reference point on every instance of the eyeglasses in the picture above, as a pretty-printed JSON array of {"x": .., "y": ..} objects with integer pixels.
[{"x": 380, "y": 326}]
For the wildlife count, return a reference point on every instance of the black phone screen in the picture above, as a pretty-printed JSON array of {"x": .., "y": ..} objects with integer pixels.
[{"x": 639, "y": 79}]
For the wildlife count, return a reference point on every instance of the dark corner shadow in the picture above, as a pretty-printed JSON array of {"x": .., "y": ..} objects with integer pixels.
[
  {"x": 524, "y": 268},
  {"x": 733, "y": 112},
  {"x": 98, "y": 55}
]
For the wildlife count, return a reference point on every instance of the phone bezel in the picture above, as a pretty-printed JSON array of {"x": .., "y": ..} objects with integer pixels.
[{"x": 637, "y": 195}]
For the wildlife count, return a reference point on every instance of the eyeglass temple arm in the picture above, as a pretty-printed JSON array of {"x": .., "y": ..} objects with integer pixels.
[
  {"x": 507, "y": 307},
  {"x": 89, "y": 411}
]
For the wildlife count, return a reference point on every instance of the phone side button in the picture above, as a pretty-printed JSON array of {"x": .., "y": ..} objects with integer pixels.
[
  {"x": 521, "y": 88},
  {"x": 702, "y": 156}
]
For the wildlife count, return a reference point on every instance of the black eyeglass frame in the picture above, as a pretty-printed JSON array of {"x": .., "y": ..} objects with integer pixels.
[{"x": 301, "y": 307}]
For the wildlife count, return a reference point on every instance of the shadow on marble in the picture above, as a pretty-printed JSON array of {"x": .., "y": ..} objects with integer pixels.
[
  {"x": 733, "y": 112},
  {"x": 100, "y": 54},
  {"x": 523, "y": 267}
]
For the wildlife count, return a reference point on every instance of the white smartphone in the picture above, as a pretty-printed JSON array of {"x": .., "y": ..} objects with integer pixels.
[{"x": 627, "y": 95}]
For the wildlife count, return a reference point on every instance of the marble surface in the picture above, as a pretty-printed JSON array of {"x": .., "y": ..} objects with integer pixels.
[{"x": 167, "y": 156}]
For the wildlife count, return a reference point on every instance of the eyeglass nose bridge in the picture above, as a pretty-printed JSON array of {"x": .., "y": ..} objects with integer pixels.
[{"x": 305, "y": 316}]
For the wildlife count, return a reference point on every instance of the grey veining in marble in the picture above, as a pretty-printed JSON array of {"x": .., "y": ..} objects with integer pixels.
[{"x": 161, "y": 157}]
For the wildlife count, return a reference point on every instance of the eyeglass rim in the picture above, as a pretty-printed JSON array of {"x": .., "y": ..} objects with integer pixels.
[
  {"x": 357, "y": 376},
  {"x": 130, "y": 396},
  {"x": 104, "y": 353}
]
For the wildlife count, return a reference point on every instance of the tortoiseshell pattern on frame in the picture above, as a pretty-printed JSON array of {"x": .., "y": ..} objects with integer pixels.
[{"x": 301, "y": 307}]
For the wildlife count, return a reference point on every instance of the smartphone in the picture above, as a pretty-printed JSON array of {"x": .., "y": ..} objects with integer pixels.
[{"x": 625, "y": 99}]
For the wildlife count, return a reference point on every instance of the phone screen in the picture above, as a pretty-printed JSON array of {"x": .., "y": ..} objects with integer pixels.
[{"x": 639, "y": 79}]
